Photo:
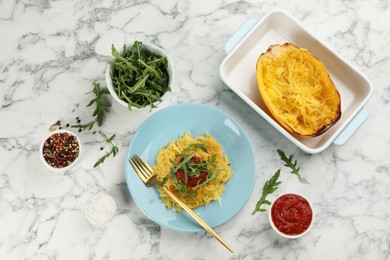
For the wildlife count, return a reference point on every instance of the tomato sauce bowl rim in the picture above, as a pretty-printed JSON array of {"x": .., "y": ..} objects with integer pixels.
[{"x": 281, "y": 233}]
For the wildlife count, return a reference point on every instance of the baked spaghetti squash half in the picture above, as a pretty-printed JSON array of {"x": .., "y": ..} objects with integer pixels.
[{"x": 297, "y": 90}]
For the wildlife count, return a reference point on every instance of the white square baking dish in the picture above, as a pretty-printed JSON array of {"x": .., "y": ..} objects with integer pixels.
[{"x": 238, "y": 71}]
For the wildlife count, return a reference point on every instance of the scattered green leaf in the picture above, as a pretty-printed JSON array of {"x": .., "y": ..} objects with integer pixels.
[
  {"x": 87, "y": 126},
  {"x": 270, "y": 186},
  {"x": 101, "y": 106},
  {"x": 114, "y": 149},
  {"x": 290, "y": 163}
]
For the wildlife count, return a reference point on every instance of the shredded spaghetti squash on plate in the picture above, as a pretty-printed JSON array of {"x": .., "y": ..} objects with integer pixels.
[{"x": 194, "y": 169}]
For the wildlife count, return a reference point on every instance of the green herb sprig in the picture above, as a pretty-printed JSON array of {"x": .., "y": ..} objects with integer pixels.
[
  {"x": 291, "y": 164},
  {"x": 101, "y": 106},
  {"x": 270, "y": 186},
  {"x": 87, "y": 126},
  {"x": 114, "y": 149},
  {"x": 139, "y": 77}
]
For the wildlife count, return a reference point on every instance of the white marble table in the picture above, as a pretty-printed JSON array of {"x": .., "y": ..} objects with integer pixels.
[{"x": 52, "y": 51}]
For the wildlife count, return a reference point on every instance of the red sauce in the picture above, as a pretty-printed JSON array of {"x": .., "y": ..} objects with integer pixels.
[
  {"x": 192, "y": 180},
  {"x": 291, "y": 214}
]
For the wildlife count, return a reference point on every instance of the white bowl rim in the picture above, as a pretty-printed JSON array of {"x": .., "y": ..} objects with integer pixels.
[
  {"x": 110, "y": 199},
  {"x": 277, "y": 230},
  {"x": 171, "y": 73},
  {"x": 47, "y": 137}
]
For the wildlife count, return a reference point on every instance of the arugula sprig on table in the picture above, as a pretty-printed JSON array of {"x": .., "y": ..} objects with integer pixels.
[
  {"x": 101, "y": 106},
  {"x": 290, "y": 163},
  {"x": 87, "y": 126},
  {"x": 269, "y": 187},
  {"x": 272, "y": 184},
  {"x": 139, "y": 77},
  {"x": 114, "y": 149}
]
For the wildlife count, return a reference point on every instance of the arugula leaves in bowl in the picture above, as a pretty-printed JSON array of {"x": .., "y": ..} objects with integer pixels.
[{"x": 140, "y": 76}]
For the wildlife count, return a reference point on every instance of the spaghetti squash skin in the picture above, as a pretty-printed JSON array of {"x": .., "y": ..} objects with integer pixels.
[{"x": 297, "y": 89}]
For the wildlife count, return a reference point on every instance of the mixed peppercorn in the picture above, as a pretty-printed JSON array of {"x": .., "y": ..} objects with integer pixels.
[{"x": 61, "y": 149}]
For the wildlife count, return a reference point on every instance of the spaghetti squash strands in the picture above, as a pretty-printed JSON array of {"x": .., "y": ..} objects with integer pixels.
[
  {"x": 207, "y": 149},
  {"x": 297, "y": 90}
]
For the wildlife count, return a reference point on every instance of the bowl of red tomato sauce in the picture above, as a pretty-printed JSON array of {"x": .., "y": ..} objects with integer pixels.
[{"x": 291, "y": 215}]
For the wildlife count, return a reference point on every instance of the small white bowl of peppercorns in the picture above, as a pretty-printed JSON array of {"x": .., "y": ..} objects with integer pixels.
[{"x": 60, "y": 150}]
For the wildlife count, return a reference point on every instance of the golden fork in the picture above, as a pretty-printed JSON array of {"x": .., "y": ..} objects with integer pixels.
[{"x": 146, "y": 173}]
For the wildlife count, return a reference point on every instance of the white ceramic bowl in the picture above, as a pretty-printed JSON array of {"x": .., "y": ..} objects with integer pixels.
[
  {"x": 54, "y": 168},
  {"x": 99, "y": 209},
  {"x": 154, "y": 49},
  {"x": 277, "y": 230}
]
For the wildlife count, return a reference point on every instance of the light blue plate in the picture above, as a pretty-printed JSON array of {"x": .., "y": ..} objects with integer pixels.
[{"x": 167, "y": 125}]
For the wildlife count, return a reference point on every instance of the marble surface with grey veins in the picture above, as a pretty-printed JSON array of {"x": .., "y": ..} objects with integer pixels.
[{"x": 52, "y": 51}]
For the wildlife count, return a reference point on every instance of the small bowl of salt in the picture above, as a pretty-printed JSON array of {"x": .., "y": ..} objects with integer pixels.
[{"x": 100, "y": 209}]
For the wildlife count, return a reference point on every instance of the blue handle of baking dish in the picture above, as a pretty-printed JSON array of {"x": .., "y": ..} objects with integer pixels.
[
  {"x": 239, "y": 34},
  {"x": 352, "y": 126}
]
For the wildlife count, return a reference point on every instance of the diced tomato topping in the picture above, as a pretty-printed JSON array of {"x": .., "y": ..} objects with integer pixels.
[
  {"x": 194, "y": 181},
  {"x": 180, "y": 176},
  {"x": 195, "y": 159}
]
